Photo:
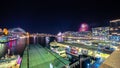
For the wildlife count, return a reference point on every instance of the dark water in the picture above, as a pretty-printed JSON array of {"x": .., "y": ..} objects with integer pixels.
[
  {"x": 41, "y": 40},
  {"x": 17, "y": 46}
]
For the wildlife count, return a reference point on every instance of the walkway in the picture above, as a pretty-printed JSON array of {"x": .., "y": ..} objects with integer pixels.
[{"x": 39, "y": 57}]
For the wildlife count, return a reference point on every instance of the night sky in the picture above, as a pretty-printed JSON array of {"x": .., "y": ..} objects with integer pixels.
[{"x": 54, "y": 16}]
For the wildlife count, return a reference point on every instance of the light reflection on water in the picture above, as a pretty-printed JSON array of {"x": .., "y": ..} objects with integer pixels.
[
  {"x": 16, "y": 47},
  {"x": 2, "y": 48}
]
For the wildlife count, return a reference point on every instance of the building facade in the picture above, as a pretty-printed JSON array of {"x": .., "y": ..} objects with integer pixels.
[
  {"x": 114, "y": 30},
  {"x": 78, "y": 34},
  {"x": 101, "y": 33}
]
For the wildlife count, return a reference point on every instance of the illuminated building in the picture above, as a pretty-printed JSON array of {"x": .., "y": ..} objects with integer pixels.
[
  {"x": 59, "y": 37},
  {"x": 84, "y": 33},
  {"x": 100, "y": 33},
  {"x": 114, "y": 30},
  {"x": 77, "y": 34},
  {"x": 74, "y": 36}
]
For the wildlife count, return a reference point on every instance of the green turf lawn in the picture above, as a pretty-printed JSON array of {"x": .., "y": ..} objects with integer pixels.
[
  {"x": 24, "y": 60},
  {"x": 40, "y": 57}
]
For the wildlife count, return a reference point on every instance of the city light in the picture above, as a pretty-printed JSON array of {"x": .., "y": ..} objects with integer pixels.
[
  {"x": 83, "y": 27},
  {"x": 59, "y": 34},
  {"x": 97, "y": 45},
  {"x": 5, "y": 31}
]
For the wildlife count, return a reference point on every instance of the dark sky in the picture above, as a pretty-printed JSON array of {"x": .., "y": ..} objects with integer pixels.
[{"x": 53, "y": 16}]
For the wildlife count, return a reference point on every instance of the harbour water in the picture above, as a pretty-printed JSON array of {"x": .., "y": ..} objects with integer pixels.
[
  {"x": 17, "y": 46},
  {"x": 14, "y": 47}
]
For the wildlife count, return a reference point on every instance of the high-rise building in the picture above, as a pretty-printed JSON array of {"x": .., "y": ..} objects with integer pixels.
[
  {"x": 115, "y": 30},
  {"x": 100, "y": 33}
]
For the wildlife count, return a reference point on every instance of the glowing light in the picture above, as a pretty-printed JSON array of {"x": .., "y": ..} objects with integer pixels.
[
  {"x": 59, "y": 34},
  {"x": 115, "y": 20},
  {"x": 111, "y": 29},
  {"x": 5, "y": 31},
  {"x": 116, "y": 29},
  {"x": 22, "y": 37},
  {"x": 19, "y": 60},
  {"x": 83, "y": 27},
  {"x": 27, "y": 33},
  {"x": 59, "y": 38}
]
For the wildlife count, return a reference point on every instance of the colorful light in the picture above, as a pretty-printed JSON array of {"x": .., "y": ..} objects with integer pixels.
[
  {"x": 5, "y": 31},
  {"x": 19, "y": 60},
  {"x": 59, "y": 34},
  {"x": 83, "y": 27}
]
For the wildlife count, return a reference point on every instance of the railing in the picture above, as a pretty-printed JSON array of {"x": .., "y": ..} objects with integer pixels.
[{"x": 75, "y": 64}]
